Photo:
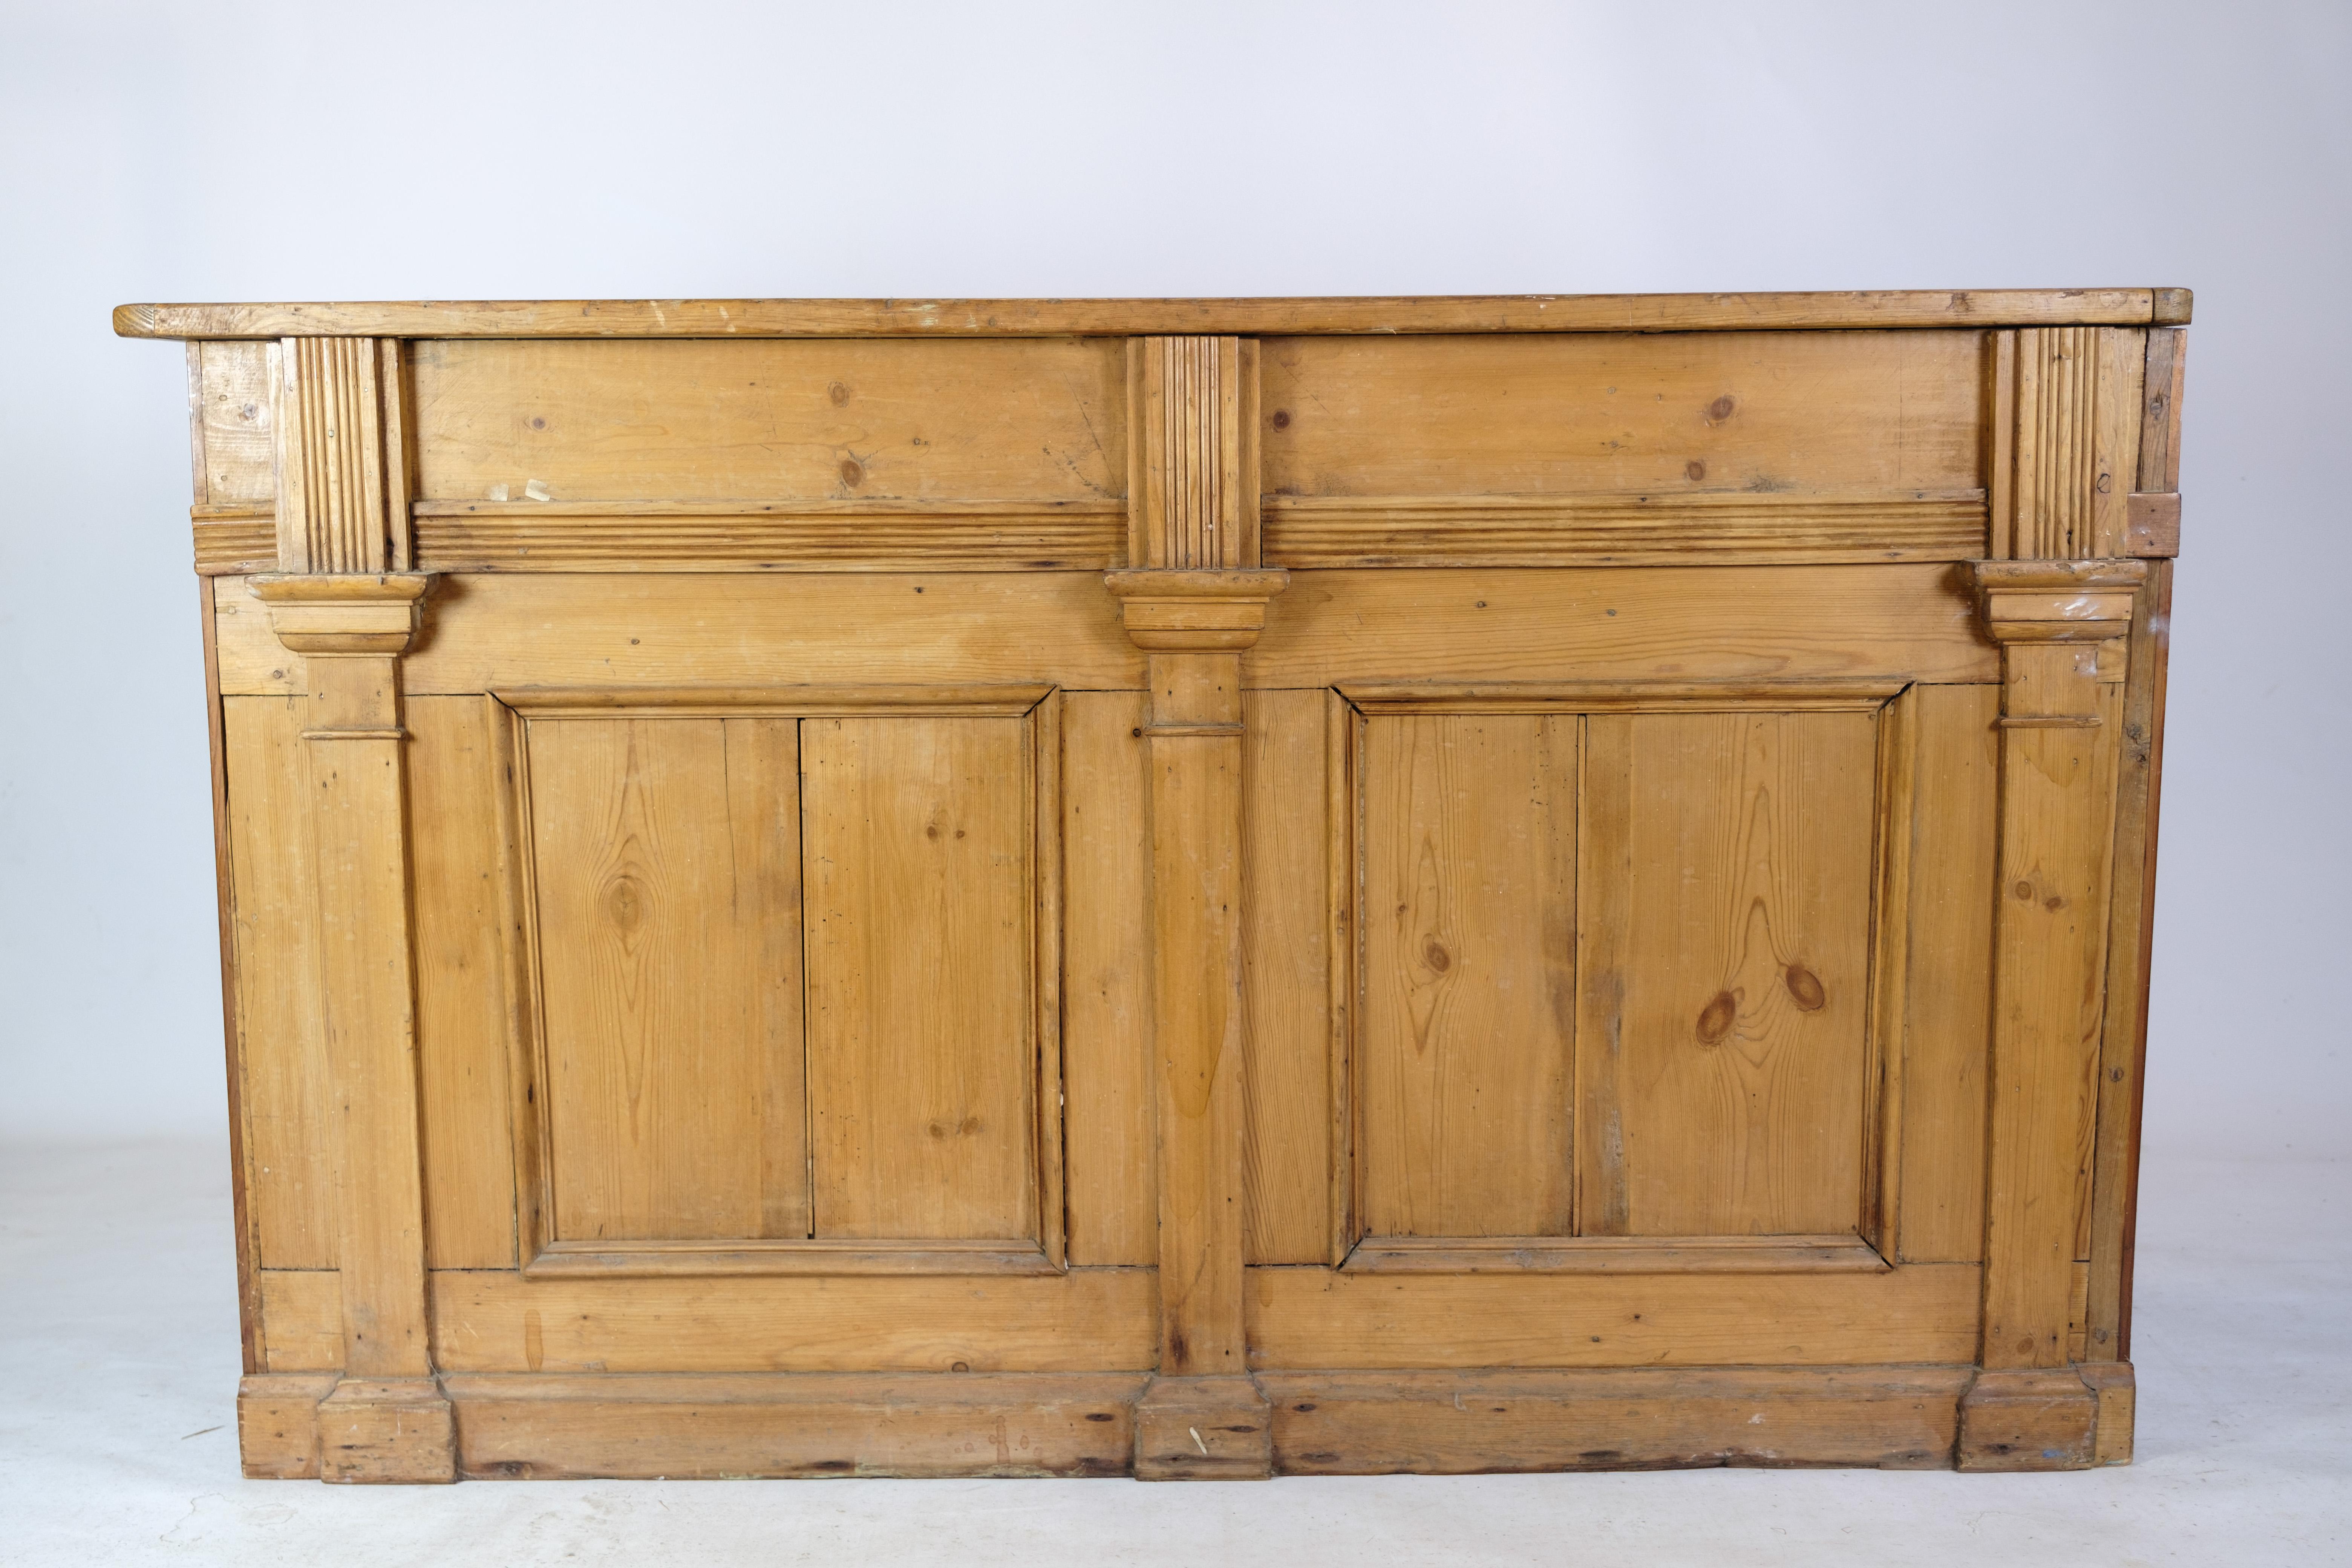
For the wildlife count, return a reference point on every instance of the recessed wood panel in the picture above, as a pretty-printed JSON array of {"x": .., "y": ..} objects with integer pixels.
[
  {"x": 290, "y": 1172},
  {"x": 921, "y": 961},
  {"x": 462, "y": 1062},
  {"x": 1726, "y": 922},
  {"x": 1691, "y": 414},
  {"x": 1468, "y": 825},
  {"x": 712, "y": 420},
  {"x": 665, "y": 865}
]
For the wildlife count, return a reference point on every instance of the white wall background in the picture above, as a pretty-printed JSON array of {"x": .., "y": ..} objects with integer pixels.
[{"x": 236, "y": 149}]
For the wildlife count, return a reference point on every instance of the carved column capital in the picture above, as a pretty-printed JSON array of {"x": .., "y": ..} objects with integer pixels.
[
  {"x": 345, "y": 613},
  {"x": 2057, "y": 601},
  {"x": 1195, "y": 611}
]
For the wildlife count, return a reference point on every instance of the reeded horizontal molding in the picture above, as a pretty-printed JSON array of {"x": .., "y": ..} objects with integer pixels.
[
  {"x": 1615, "y": 1255},
  {"x": 1632, "y": 528},
  {"x": 235, "y": 538},
  {"x": 767, "y": 535},
  {"x": 1625, "y": 697},
  {"x": 1945, "y": 308},
  {"x": 652, "y": 1260}
]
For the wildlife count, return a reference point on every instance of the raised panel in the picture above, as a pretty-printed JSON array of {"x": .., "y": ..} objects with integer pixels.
[
  {"x": 1468, "y": 831},
  {"x": 666, "y": 863},
  {"x": 922, "y": 1038},
  {"x": 1727, "y": 888},
  {"x": 285, "y": 1095},
  {"x": 815, "y": 419}
]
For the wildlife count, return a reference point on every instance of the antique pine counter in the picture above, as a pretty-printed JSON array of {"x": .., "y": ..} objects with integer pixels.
[{"x": 1193, "y": 887}]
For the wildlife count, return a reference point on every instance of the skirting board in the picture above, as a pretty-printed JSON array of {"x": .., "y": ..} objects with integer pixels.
[{"x": 526, "y": 1426}]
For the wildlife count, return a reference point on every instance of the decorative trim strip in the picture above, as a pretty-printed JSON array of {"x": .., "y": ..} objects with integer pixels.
[
  {"x": 771, "y": 702},
  {"x": 652, "y": 1260},
  {"x": 1615, "y": 1255},
  {"x": 235, "y": 538},
  {"x": 1191, "y": 408},
  {"x": 766, "y": 535},
  {"x": 1626, "y": 529},
  {"x": 1627, "y": 697},
  {"x": 1964, "y": 309}
]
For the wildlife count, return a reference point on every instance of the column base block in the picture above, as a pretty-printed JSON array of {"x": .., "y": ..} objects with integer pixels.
[
  {"x": 277, "y": 1423},
  {"x": 395, "y": 1430},
  {"x": 1204, "y": 1429},
  {"x": 2024, "y": 1420}
]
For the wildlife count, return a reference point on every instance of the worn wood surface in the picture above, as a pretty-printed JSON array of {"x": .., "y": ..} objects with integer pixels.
[
  {"x": 1121, "y": 318},
  {"x": 822, "y": 904},
  {"x": 1469, "y": 973}
]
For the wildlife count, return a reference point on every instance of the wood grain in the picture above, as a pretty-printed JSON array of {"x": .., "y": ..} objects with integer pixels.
[
  {"x": 233, "y": 423},
  {"x": 1633, "y": 622},
  {"x": 1192, "y": 474},
  {"x": 1107, "y": 1003},
  {"x": 1706, "y": 416},
  {"x": 461, "y": 1011},
  {"x": 920, "y": 871},
  {"x": 1304, "y": 1317},
  {"x": 1090, "y": 1320},
  {"x": 1469, "y": 900},
  {"x": 1285, "y": 978},
  {"x": 1121, "y": 318},
  {"x": 1733, "y": 1097},
  {"x": 1631, "y": 529},
  {"x": 555, "y": 1427},
  {"x": 290, "y": 1172},
  {"x": 665, "y": 868},
  {"x": 334, "y": 485},
  {"x": 767, "y": 535},
  {"x": 1947, "y": 992},
  {"x": 493, "y": 633},
  {"x": 699, "y": 420},
  {"x": 1480, "y": 1423}
]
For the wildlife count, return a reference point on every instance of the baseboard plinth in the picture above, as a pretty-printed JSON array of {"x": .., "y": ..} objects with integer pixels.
[
  {"x": 1202, "y": 1430},
  {"x": 386, "y": 1430},
  {"x": 2028, "y": 1420}
]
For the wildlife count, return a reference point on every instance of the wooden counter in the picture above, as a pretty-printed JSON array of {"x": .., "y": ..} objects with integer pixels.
[{"x": 1184, "y": 888}]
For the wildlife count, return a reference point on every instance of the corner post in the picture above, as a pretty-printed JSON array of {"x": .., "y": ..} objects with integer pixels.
[
  {"x": 2057, "y": 623},
  {"x": 344, "y": 602},
  {"x": 1194, "y": 601}
]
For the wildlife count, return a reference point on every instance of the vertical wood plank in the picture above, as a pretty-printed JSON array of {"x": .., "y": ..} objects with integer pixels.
[
  {"x": 274, "y": 879},
  {"x": 461, "y": 1046},
  {"x": 248, "y": 1284},
  {"x": 1470, "y": 833},
  {"x": 1605, "y": 895},
  {"x": 666, "y": 870},
  {"x": 1106, "y": 1006},
  {"x": 2122, "y": 364},
  {"x": 1285, "y": 978},
  {"x": 1741, "y": 1080},
  {"x": 921, "y": 1031},
  {"x": 1947, "y": 999},
  {"x": 2000, "y": 442}
]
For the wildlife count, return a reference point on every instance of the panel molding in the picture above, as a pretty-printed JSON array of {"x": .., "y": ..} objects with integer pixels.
[
  {"x": 1616, "y": 1254},
  {"x": 548, "y": 1255},
  {"x": 794, "y": 535},
  {"x": 1630, "y": 528},
  {"x": 1593, "y": 1245}
]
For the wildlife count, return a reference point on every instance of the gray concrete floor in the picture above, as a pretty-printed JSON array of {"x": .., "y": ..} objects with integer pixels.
[{"x": 117, "y": 1444}]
